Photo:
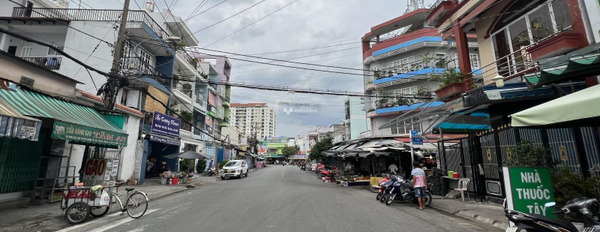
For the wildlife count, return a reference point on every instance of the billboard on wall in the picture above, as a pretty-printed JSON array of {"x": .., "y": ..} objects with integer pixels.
[{"x": 165, "y": 124}]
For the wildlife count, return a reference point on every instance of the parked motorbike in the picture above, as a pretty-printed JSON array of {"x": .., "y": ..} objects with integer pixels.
[
  {"x": 211, "y": 172},
  {"x": 402, "y": 190},
  {"x": 586, "y": 210},
  {"x": 382, "y": 187}
]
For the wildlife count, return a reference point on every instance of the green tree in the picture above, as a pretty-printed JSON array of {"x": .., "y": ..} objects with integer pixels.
[
  {"x": 317, "y": 152},
  {"x": 201, "y": 165},
  {"x": 528, "y": 155},
  {"x": 287, "y": 151}
]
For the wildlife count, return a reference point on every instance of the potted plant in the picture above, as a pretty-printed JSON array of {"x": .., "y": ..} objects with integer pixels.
[
  {"x": 165, "y": 176},
  {"x": 451, "y": 83}
]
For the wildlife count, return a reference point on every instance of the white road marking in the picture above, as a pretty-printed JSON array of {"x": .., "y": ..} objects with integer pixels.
[
  {"x": 120, "y": 222},
  {"x": 103, "y": 220},
  {"x": 88, "y": 222}
]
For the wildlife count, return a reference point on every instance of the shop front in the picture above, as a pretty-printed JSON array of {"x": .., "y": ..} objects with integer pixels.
[
  {"x": 19, "y": 147},
  {"x": 162, "y": 140},
  {"x": 75, "y": 141}
]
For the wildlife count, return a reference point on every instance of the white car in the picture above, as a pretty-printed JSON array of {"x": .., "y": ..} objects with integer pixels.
[{"x": 234, "y": 168}]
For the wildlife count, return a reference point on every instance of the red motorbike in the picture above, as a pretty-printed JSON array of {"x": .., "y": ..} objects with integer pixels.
[{"x": 382, "y": 186}]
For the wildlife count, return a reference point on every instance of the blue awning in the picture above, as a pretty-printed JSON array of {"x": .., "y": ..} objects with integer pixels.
[{"x": 470, "y": 120}]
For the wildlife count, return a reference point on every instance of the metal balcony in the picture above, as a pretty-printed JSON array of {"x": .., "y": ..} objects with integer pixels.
[{"x": 50, "y": 62}]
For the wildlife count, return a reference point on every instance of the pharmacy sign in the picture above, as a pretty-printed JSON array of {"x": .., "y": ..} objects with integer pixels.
[{"x": 528, "y": 189}]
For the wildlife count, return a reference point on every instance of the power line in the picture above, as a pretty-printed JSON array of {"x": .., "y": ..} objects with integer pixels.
[
  {"x": 205, "y": 10},
  {"x": 304, "y": 49},
  {"x": 251, "y": 24},
  {"x": 285, "y": 61},
  {"x": 53, "y": 48},
  {"x": 196, "y": 9},
  {"x": 225, "y": 19},
  {"x": 319, "y": 54},
  {"x": 289, "y": 66},
  {"x": 297, "y": 90}
]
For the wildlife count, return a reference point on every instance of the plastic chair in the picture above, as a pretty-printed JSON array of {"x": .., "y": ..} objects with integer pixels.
[{"x": 463, "y": 185}]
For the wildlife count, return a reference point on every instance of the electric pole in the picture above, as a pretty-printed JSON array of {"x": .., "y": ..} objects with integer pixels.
[{"x": 114, "y": 81}]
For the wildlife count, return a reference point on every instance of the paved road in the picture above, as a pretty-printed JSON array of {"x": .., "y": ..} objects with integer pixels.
[{"x": 278, "y": 198}]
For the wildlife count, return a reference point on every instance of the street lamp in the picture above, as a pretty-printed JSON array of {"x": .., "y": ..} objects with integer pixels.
[{"x": 499, "y": 81}]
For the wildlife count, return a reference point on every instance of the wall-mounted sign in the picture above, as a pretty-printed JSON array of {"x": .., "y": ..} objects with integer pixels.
[
  {"x": 417, "y": 141},
  {"x": 165, "y": 124},
  {"x": 528, "y": 189}
]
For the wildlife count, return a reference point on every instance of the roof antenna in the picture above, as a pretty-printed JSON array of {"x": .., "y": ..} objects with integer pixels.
[{"x": 413, "y": 5}]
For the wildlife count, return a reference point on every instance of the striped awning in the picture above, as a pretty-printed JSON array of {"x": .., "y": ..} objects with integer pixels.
[
  {"x": 76, "y": 123},
  {"x": 576, "y": 66},
  {"x": 15, "y": 124}
]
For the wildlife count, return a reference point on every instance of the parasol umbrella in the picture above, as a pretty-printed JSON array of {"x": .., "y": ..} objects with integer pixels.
[{"x": 188, "y": 155}]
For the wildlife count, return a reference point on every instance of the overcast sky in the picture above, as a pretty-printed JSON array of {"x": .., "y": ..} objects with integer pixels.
[{"x": 303, "y": 24}]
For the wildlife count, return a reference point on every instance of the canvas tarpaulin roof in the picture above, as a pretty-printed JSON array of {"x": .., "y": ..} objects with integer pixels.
[{"x": 581, "y": 105}]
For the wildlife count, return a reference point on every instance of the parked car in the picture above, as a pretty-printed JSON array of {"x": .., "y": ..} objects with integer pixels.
[{"x": 234, "y": 168}]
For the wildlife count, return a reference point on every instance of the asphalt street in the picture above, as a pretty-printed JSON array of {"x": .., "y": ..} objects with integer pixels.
[{"x": 278, "y": 198}]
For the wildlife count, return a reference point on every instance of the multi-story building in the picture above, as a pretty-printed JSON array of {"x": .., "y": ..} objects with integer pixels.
[
  {"x": 212, "y": 103},
  {"x": 406, "y": 58},
  {"x": 531, "y": 52},
  {"x": 254, "y": 118},
  {"x": 355, "y": 119},
  {"x": 161, "y": 75}
]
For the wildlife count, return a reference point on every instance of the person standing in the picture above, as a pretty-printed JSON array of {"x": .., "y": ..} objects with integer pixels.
[
  {"x": 419, "y": 182},
  {"x": 393, "y": 168}
]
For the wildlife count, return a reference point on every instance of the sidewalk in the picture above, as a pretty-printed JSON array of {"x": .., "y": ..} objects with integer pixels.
[
  {"x": 47, "y": 216},
  {"x": 483, "y": 212}
]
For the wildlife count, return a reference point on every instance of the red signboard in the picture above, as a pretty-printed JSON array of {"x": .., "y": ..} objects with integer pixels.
[{"x": 95, "y": 167}]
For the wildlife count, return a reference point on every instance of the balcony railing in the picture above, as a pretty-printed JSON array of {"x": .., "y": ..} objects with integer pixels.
[
  {"x": 90, "y": 15},
  {"x": 186, "y": 91},
  {"x": 50, "y": 62}
]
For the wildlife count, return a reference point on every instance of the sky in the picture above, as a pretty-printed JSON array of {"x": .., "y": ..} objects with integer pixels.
[{"x": 336, "y": 26}]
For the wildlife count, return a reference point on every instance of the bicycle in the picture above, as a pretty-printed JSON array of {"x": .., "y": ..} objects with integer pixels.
[{"x": 135, "y": 205}]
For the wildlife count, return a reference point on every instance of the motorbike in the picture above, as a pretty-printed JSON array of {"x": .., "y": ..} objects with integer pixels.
[
  {"x": 586, "y": 210},
  {"x": 382, "y": 187},
  {"x": 303, "y": 167},
  {"x": 402, "y": 190},
  {"x": 211, "y": 172}
]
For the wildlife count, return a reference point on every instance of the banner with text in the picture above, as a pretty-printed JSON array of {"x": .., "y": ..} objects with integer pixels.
[
  {"x": 165, "y": 124},
  {"x": 87, "y": 135}
]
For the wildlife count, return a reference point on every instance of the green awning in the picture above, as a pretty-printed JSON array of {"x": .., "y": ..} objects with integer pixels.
[
  {"x": 581, "y": 106},
  {"x": 15, "y": 124},
  {"x": 77, "y": 123},
  {"x": 578, "y": 66}
]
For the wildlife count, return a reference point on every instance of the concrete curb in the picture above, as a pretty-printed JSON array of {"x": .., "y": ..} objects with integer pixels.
[{"x": 495, "y": 223}]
